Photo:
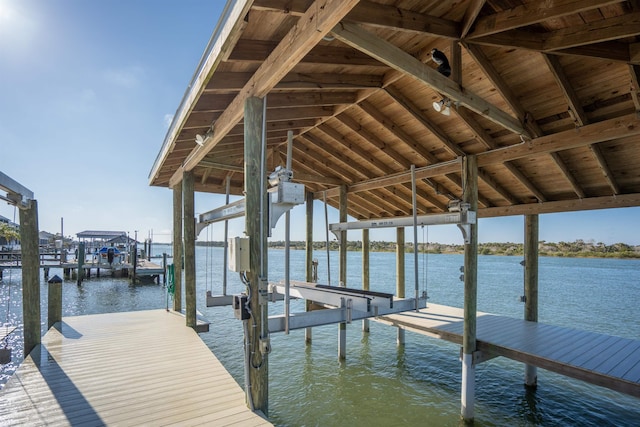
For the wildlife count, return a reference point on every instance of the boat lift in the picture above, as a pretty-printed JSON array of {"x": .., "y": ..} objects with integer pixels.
[
  {"x": 339, "y": 305},
  {"x": 283, "y": 196},
  {"x": 459, "y": 215}
]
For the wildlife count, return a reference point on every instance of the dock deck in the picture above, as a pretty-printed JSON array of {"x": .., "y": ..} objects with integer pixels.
[
  {"x": 135, "y": 368},
  {"x": 604, "y": 360}
]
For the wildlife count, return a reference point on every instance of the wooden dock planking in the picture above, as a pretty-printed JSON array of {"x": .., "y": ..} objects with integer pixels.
[
  {"x": 603, "y": 360},
  {"x": 131, "y": 368}
]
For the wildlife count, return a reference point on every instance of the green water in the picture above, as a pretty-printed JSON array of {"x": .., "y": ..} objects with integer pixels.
[{"x": 381, "y": 384}]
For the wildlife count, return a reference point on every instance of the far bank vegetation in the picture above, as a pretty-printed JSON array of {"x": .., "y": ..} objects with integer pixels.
[{"x": 579, "y": 248}]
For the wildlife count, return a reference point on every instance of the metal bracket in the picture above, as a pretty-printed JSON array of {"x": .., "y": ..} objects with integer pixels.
[
  {"x": 478, "y": 357},
  {"x": 463, "y": 218}
]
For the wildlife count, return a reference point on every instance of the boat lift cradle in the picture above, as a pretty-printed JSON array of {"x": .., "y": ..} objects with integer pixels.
[
  {"x": 344, "y": 304},
  {"x": 348, "y": 304}
]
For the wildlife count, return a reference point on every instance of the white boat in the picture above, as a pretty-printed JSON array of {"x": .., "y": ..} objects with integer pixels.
[{"x": 110, "y": 257}]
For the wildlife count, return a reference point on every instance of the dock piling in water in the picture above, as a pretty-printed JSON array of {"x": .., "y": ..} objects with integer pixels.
[{"x": 54, "y": 312}]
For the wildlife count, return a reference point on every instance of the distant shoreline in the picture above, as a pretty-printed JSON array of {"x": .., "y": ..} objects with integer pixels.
[{"x": 577, "y": 249}]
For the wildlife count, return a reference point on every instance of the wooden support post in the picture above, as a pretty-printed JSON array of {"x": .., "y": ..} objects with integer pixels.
[
  {"x": 342, "y": 273},
  {"x": 189, "y": 225},
  {"x": 256, "y": 227},
  {"x": 531, "y": 228},
  {"x": 309, "y": 255},
  {"x": 365, "y": 270},
  {"x": 164, "y": 268},
  {"x": 134, "y": 262},
  {"x": 54, "y": 301},
  {"x": 46, "y": 273},
  {"x": 225, "y": 255},
  {"x": 470, "y": 196},
  {"x": 81, "y": 256},
  {"x": 400, "y": 276},
  {"x": 29, "y": 241},
  {"x": 177, "y": 248}
]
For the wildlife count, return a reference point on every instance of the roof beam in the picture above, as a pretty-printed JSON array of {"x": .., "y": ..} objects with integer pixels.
[
  {"x": 595, "y": 39},
  {"x": 627, "y": 25},
  {"x": 229, "y": 82},
  {"x": 532, "y": 13},
  {"x": 259, "y": 50},
  {"x": 567, "y": 89},
  {"x": 453, "y": 166},
  {"x": 607, "y": 130},
  {"x": 375, "y": 14},
  {"x": 516, "y": 106},
  {"x": 414, "y": 111},
  {"x": 610, "y": 51},
  {"x": 398, "y": 19},
  {"x": 634, "y": 72},
  {"x": 297, "y": 43},
  {"x": 398, "y": 59},
  {"x": 470, "y": 16},
  {"x": 483, "y": 136},
  {"x": 591, "y": 203},
  {"x": 374, "y": 140}
]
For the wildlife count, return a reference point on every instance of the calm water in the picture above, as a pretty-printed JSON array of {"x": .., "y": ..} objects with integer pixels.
[{"x": 381, "y": 384}]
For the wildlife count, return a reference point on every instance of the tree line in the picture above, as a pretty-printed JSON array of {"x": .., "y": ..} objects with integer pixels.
[{"x": 578, "y": 248}]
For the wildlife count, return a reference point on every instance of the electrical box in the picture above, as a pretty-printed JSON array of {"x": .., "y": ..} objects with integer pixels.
[
  {"x": 239, "y": 254},
  {"x": 240, "y": 307},
  {"x": 287, "y": 193}
]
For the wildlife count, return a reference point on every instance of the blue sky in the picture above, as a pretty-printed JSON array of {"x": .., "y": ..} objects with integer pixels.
[{"x": 87, "y": 89}]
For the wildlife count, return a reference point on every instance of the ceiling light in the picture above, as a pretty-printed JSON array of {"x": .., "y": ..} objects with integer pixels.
[{"x": 443, "y": 107}]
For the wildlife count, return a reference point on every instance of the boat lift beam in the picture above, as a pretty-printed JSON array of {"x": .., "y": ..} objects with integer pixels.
[
  {"x": 283, "y": 196},
  {"x": 343, "y": 305},
  {"x": 343, "y": 314},
  {"x": 17, "y": 194},
  {"x": 361, "y": 300},
  {"x": 462, "y": 217},
  {"x": 223, "y": 213}
]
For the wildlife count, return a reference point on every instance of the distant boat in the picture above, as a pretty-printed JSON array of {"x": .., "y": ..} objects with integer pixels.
[{"x": 110, "y": 257}]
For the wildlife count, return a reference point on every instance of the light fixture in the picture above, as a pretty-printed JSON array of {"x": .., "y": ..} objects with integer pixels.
[
  {"x": 443, "y": 107},
  {"x": 200, "y": 140}
]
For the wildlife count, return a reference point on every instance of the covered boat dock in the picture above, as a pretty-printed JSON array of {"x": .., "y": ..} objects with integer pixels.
[{"x": 397, "y": 109}]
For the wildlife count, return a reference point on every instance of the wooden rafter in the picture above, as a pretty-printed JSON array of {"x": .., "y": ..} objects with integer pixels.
[
  {"x": 470, "y": 16},
  {"x": 375, "y": 14},
  {"x": 516, "y": 106},
  {"x": 634, "y": 73},
  {"x": 329, "y": 81},
  {"x": 487, "y": 140},
  {"x": 374, "y": 140},
  {"x": 412, "y": 109},
  {"x": 607, "y": 130},
  {"x": 532, "y": 13},
  {"x": 314, "y": 25},
  {"x": 596, "y": 39},
  {"x": 398, "y": 59},
  {"x": 581, "y": 119},
  {"x": 591, "y": 203}
]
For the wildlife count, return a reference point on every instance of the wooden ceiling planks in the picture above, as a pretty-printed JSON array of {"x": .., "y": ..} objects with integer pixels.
[{"x": 564, "y": 76}]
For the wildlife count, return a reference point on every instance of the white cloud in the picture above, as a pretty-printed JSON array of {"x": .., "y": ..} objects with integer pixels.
[
  {"x": 168, "y": 118},
  {"x": 128, "y": 77}
]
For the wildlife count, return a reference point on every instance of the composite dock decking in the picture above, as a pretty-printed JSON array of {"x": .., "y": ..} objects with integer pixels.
[
  {"x": 604, "y": 360},
  {"x": 135, "y": 368}
]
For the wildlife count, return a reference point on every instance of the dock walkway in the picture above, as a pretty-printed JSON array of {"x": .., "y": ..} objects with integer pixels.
[
  {"x": 135, "y": 368},
  {"x": 604, "y": 360}
]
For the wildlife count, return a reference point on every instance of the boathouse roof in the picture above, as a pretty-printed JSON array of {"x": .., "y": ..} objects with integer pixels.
[
  {"x": 100, "y": 234},
  {"x": 545, "y": 94}
]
